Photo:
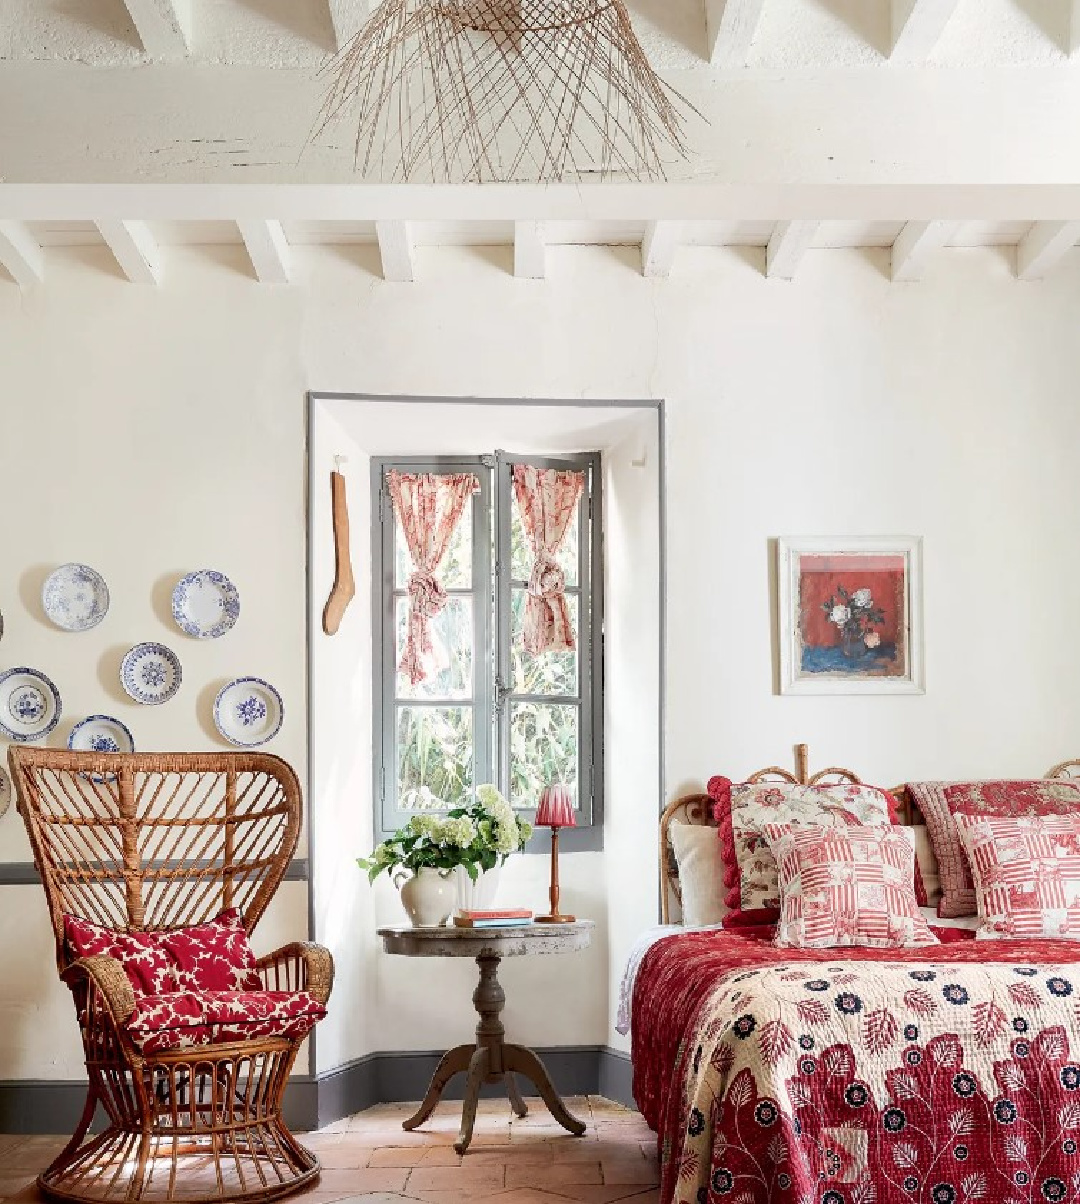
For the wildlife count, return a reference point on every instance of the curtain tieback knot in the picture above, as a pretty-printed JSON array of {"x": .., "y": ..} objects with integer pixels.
[
  {"x": 426, "y": 594},
  {"x": 547, "y": 579}
]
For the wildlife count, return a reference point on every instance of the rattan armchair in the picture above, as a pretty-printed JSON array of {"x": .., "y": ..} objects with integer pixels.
[{"x": 154, "y": 843}]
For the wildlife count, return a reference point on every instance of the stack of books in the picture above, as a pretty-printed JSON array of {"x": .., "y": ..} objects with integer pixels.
[{"x": 504, "y": 917}]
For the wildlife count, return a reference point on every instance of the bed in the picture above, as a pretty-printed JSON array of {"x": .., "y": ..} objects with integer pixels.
[{"x": 936, "y": 1075}]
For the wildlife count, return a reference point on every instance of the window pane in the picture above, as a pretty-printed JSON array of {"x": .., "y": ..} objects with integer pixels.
[
  {"x": 455, "y": 571},
  {"x": 452, "y": 630},
  {"x": 434, "y": 757},
  {"x": 543, "y": 749},
  {"x": 521, "y": 557},
  {"x": 551, "y": 672}
]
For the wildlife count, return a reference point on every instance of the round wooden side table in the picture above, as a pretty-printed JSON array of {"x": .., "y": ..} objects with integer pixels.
[{"x": 490, "y": 1059}]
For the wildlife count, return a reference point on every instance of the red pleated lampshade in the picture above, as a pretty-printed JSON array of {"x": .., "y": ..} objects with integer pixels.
[{"x": 556, "y": 808}]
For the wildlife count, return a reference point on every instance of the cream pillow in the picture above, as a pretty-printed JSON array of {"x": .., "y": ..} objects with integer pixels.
[{"x": 701, "y": 873}]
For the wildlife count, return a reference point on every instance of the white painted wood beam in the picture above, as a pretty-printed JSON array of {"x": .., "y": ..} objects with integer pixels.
[
  {"x": 917, "y": 25},
  {"x": 658, "y": 249},
  {"x": 530, "y": 250},
  {"x": 397, "y": 250},
  {"x": 1044, "y": 247},
  {"x": 731, "y": 26},
  {"x": 21, "y": 254},
  {"x": 134, "y": 248},
  {"x": 914, "y": 243},
  {"x": 165, "y": 26},
  {"x": 789, "y": 243},
  {"x": 268, "y": 248},
  {"x": 347, "y": 16}
]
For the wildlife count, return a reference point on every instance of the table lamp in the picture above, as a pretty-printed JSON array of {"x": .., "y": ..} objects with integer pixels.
[{"x": 556, "y": 811}]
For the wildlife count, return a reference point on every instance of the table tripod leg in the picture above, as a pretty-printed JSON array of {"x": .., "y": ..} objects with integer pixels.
[
  {"x": 512, "y": 1090},
  {"x": 452, "y": 1062},
  {"x": 479, "y": 1068},
  {"x": 524, "y": 1061}
]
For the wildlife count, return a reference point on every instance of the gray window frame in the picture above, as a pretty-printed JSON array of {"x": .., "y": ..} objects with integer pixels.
[{"x": 492, "y": 583}]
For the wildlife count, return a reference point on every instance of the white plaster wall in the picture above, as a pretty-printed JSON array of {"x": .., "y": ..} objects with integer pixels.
[{"x": 150, "y": 430}]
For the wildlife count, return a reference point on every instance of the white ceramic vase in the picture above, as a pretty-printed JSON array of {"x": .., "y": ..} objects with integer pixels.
[
  {"x": 428, "y": 896},
  {"x": 478, "y": 895}
]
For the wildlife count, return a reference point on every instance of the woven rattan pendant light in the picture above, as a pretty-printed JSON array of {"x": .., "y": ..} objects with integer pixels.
[{"x": 503, "y": 90}]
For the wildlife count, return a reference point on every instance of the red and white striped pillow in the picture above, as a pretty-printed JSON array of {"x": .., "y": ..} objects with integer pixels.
[
  {"x": 1027, "y": 874},
  {"x": 847, "y": 886}
]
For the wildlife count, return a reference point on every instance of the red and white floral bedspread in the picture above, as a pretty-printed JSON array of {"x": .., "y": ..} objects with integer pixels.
[{"x": 922, "y": 1076}]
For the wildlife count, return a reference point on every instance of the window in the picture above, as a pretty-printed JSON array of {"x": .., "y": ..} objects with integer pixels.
[{"x": 487, "y": 710}]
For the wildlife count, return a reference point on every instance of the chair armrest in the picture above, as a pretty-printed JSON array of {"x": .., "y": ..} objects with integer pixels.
[
  {"x": 301, "y": 966},
  {"x": 107, "y": 975}
]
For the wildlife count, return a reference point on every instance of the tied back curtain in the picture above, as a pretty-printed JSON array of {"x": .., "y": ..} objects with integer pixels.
[
  {"x": 429, "y": 507},
  {"x": 547, "y": 498}
]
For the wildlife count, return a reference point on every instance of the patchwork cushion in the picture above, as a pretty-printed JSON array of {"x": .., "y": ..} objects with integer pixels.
[
  {"x": 1026, "y": 873},
  {"x": 191, "y": 1018},
  {"x": 742, "y": 810},
  {"x": 939, "y": 802},
  {"x": 215, "y": 956},
  {"x": 847, "y": 886}
]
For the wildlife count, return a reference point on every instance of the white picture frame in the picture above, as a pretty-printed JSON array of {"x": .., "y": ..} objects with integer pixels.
[{"x": 835, "y": 636}]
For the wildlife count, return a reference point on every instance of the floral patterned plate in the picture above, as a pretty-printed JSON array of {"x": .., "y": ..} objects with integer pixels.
[
  {"x": 29, "y": 705},
  {"x": 101, "y": 733},
  {"x": 248, "y": 712},
  {"x": 75, "y": 597},
  {"x": 205, "y": 604},
  {"x": 150, "y": 673}
]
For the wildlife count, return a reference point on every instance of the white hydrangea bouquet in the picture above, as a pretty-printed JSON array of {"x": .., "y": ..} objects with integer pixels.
[{"x": 478, "y": 837}]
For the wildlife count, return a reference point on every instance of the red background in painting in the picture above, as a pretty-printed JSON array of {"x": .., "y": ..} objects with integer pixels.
[{"x": 817, "y": 586}]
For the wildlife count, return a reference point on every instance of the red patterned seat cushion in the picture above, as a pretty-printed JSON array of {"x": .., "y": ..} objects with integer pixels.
[
  {"x": 215, "y": 956},
  {"x": 941, "y": 801},
  {"x": 190, "y": 1018}
]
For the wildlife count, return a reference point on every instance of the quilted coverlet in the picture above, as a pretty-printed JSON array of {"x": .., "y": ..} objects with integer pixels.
[{"x": 915, "y": 1076}]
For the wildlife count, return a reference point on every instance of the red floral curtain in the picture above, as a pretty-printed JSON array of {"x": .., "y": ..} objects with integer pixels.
[
  {"x": 547, "y": 498},
  {"x": 429, "y": 508}
]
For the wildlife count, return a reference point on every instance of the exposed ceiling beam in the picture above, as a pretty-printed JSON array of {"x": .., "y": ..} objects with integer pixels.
[
  {"x": 789, "y": 243},
  {"x": 915, "y": 242},
  {"x": 397, "y": 251},
  {"x": 164, "y": 26},
  {"x": 21, "y": 254},
  {"x": 731, "y": 26},
  {"x": 268, "y": 248},
  {"x": 347, "y": 16},
  {"x": 916, "y": 27},
  {"x": 1043, "y": 248},
  {"x": 530, "y": 251},
  {"x": 134, "y": 248},
  {"x": 658, "y": 249}
]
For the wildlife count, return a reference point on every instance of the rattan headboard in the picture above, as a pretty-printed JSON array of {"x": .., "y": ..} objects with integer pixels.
[{"x": 697, "y": 809}]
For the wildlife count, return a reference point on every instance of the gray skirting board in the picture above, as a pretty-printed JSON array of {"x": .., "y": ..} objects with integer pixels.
[{"x": 29, "y": 1106}]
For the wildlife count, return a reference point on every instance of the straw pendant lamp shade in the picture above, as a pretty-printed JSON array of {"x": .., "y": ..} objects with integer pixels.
[
  {"x": 468, "y": 91},
  {"x": 556, "y": 810}
]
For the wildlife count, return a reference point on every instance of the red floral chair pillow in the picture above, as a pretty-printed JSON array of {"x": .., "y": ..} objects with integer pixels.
[{"x": 215, "y": 956}]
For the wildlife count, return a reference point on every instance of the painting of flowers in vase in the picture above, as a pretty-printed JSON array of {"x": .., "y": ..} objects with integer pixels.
[{"x": 850, "y": 616}]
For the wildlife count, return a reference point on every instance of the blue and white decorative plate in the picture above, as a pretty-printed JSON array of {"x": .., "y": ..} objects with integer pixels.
[
  {"x": 29, "y": 705},
  {"x": 150, "y": 673},
  {"x": 102, "y": 734},
  {"x": 248, "y": 712},
  {"x": 75, "y": 597},
  {"x": 205, "y": 604}
]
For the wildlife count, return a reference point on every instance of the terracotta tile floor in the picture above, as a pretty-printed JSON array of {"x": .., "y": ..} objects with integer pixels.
[{"x": 370, "y": 1157}]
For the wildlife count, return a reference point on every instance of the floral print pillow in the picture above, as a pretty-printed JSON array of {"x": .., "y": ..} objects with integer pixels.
[
  {"x": 847, "y": 886},
  {"x": 742, "y": 810}
]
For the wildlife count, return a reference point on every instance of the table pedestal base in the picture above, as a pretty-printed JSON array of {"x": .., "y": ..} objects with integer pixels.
[{"x": 491, "y": 1060}]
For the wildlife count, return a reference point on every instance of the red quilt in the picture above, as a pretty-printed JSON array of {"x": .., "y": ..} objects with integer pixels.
[{"x": 922, "y": 1076}]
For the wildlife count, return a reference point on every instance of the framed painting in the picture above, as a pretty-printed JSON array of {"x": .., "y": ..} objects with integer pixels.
[{"x": 850, "y": 615}]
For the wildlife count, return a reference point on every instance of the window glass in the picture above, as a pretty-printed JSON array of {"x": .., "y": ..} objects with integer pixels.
[
  {"x": 434, "y": 756},
  {"x": 452, "y": 632},
  {"x": 543, "y": 749},
  {"x": 551, "y": 672}
]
